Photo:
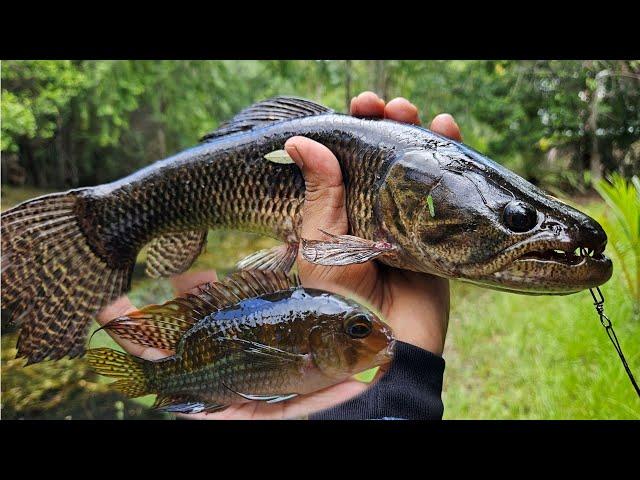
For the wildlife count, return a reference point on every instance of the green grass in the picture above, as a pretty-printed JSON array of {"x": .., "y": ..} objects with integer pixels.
[
  {"x": 508, "y": 356},
  {"x": 523, "y": 357}
]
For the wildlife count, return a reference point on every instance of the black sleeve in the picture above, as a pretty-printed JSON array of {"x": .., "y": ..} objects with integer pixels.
[{"x": 410, "y": 390}]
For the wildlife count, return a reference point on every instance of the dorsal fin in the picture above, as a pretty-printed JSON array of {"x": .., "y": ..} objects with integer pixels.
[
  {"x": 162, "y": 326},
  {"x": 273, "y": 110}
]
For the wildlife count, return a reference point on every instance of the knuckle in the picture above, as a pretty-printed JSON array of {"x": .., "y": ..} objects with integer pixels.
[{"x": 331, "y": 194}]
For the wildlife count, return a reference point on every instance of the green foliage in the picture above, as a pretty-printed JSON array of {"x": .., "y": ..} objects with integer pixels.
[
  {"x": 34, "y": 94},
  {"x": 17, "y": 120},
  {"x": 72, "y": 123},
  {"x": 622, "y": 224}
]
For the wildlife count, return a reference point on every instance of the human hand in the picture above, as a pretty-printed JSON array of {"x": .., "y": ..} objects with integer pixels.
[{"x": 415, "y": 305}]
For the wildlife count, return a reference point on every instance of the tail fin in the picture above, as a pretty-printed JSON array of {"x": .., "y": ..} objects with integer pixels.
[
  {"x": 129, "y": 369},
  {"x": 52, "y": 281}
]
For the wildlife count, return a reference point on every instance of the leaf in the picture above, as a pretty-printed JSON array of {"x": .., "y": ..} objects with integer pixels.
[
  {"x": 367, "y": 376},
  {"x": 279, "y": 156},
  {"x": 432, "y": 210}
]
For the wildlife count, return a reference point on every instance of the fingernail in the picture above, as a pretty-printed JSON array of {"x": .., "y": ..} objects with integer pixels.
[{"x": 294, "y": 153}]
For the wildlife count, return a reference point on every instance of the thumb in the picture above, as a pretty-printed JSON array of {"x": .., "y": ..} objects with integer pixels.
[{"x": 324, "y": 203}]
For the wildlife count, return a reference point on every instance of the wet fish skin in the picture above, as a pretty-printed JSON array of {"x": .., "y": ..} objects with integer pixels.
[{"x": 303, "y": 339}]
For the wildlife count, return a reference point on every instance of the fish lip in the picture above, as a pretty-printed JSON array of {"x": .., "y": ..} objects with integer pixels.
[
  {"x": 531, "y": 266},
  {"x": 539, "y": 246},
  {"x": 386, "y": 355},
  {"x": 566, "y": 278},
  {"x": 391, "y": 347}
]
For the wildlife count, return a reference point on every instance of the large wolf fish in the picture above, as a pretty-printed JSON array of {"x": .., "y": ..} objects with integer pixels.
[{"x": 415, "y": 200}]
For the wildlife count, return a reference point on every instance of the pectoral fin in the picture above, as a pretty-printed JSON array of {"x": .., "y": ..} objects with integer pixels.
[
  {"x": 343, "y": 250},
  {"x": 267, "y": 356},
  {"x": 174, "y": 253}
]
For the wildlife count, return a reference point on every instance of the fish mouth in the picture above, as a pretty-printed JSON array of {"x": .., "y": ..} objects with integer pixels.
[
  {"x": 386, "y": 355},
  {"x": 575, "y": 257},
  {"x": 551, "y": 267}
]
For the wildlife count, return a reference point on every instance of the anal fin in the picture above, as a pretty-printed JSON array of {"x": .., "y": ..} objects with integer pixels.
[
  {"x": 182, "y": 404},
  {"x": 174, "y": 253},
  {"x": 281, "y": 257}
]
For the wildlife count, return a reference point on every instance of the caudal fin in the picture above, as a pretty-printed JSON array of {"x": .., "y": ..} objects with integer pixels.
[
  {"x": 129, "y": 369},
  {"x": 52, "y": 281}
]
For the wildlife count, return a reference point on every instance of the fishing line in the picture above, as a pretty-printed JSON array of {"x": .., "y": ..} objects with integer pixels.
[{"x": 598, "y": 301}]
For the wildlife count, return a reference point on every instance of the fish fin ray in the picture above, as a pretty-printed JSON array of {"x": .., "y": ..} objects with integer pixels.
[
  {"x": 343, "y": 250},
  {"x": 280, "y": 257},
  {"x": 248, "y": 284},
  {"x": 187, "y": 407},
  {"x": 174, "y": 253},
  {"x": 180, "y": 403},
  {"x": 283, "y": 398},
  {"x": 53, "y": 281},
  {"x": 265, "y": 355},
  {"x": 127, "y": 368},
  {"x": 268, "y": 111},
  {"x": 262, "y": 398}
]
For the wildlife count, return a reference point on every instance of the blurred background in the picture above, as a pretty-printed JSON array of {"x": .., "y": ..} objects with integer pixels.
[{"x": 570, "y": 127}]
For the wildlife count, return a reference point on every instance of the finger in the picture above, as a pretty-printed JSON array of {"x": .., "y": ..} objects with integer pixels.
[
  {"x": 402, "y": 110},
  {"x": 188, "y": 281},
  {"x": 116, "y": 309},
  {"x": 444, "y": 124},
  {"x": 120, "y": 307},
  {"x": 367, "y": 104},
  {"x": 324, "y": 208},
  {"x": 324, "y": 202}
]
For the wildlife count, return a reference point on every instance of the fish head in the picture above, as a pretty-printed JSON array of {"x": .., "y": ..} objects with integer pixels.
[
  {"x": 457, "y": 214},
  {"x": 350, "y": 340}
]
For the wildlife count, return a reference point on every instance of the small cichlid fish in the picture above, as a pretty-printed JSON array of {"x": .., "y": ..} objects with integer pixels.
[
  {"x": 415, "y": 201},
  {"x": 257, "y": 335}
]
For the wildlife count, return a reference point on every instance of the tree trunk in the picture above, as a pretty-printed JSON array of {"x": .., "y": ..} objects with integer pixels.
[
  {"x": 60, "y": 153},
  {"x": 380, "y": 78},
  {"x": 347, "y": 84},
  {"x": 596, "y": 157}
]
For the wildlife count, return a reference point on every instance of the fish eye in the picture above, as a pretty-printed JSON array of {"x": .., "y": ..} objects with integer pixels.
[
  {"x": 358, "y": 326},
  {"x": 519, "y": 216}
]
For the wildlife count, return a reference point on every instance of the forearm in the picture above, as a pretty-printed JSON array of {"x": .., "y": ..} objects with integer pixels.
[{"x": 410, "y": 390}]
